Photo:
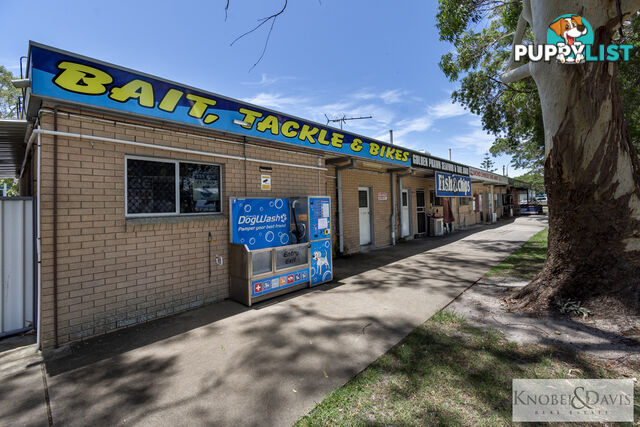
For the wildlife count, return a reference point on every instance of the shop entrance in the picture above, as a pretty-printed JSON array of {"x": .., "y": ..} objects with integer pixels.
[
  {"x": 421, "y": 209},
  {"x": 404, "y": 214},
  {"x": 364, "y": 208}
]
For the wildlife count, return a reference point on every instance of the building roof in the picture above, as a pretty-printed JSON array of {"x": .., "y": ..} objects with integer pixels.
[{"x": 12, "y": 146}]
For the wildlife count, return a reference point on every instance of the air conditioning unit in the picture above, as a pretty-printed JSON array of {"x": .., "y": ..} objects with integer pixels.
[{"x": 436, "y": 226}]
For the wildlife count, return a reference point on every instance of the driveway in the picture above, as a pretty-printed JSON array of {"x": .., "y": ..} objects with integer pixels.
[{"x": 227, "y": 364}]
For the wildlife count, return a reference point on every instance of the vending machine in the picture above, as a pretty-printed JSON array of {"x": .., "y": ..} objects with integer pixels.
[
  {"x": 311, "y": 222},
  {"x": 278, "y": 246}
]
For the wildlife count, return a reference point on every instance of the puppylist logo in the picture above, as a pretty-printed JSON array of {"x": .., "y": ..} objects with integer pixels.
[{"x": 570, "y": 41}]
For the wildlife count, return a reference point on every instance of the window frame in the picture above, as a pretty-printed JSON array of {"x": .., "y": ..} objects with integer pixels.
[
  {"x": 176, "y": 163},
  {"x": 433, "y": 199}
]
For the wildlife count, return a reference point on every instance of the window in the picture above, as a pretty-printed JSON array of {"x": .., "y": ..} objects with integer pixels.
[
  {"x": 151, "y": 187},
  {"x": 435, "y": 201},
  {"x": 168, "y": 187},
  {"x": 363, "y": 199},
  {"x": 420, "y": 198},
  {"x": 199, "y": 188},
  {"x": 464, "y": 201}
]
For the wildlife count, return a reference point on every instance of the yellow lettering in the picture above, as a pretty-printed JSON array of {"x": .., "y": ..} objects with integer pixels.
[
  {"x": 390, "y": 153},
  {"x": 382, "y": 148},
  {"x": 210, "y": 118},
  {"x": 270, "y": 122},
  {"x": 139, "y": 89},
  {"x": 374, "y": 148},
  {"x": 322, "y": 136},
  {"x": 405, "y": 156},
  {"x": 170, "y": 100},
  {"x": 250, "y": 116},
  {"x": 356, "y": 145},
  {"x": 81, "y": 78},
  {"x": 336, "y": 140},
  {"x": 199, "y": 107},
  {"x": 286, "y": 129},
  {"x": 399, "y": 155},
  {"x": 307, "y": 133}
]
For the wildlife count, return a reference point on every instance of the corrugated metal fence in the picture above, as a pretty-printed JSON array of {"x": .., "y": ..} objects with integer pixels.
[{"x": 17, "y": 312}]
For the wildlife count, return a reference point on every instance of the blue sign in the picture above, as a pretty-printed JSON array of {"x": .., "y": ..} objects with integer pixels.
[
  {"x": 62, "y": 75},
  {"x": 450, "y": 185},
  {"x": 260, "y": 223},
  {"x": 276, "y": 283},
  {"x": 321, "y": 261},
  {"x": 320, "y": 218}
]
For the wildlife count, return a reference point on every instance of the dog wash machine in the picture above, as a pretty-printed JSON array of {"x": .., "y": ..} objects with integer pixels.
[{"x": 278, "y": 246}]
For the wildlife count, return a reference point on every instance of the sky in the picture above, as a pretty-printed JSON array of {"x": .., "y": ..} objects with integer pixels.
[{"x": 324, "y": 57}]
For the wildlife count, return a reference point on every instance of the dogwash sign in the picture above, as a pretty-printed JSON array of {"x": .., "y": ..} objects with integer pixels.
[{"x": 570, "y": 41}]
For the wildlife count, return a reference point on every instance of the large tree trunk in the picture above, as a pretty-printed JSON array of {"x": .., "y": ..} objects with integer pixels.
[{"x": 592, "y": 174}]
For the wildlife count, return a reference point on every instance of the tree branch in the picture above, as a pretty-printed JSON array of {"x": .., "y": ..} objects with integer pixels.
[
  {"x": 509, "y": 87},
  {"x": 261, "y": 21}
]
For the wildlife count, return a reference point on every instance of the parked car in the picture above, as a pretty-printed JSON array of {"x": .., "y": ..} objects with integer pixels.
[
  {"x": 542, "y": 199},
  {"x": 530, "y": 209}
]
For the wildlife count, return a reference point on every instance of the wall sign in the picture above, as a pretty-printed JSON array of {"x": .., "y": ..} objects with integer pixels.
[
  {"x": 449, "y": 185},
  {"x": 488, "y": 176},
  {"x": 265, "y": 182},
  {"x": 427, "y": 162},
  {"x": 63, "y": 75},
  {"x": 260, "y": 223},
  {"x": 382, "y": 196}
]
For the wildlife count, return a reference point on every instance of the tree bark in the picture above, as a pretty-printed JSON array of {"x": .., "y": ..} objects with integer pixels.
[{"x": 592, "y": 174}]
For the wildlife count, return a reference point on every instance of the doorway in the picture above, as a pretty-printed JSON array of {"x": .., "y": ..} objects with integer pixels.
[
  {"x": 404, "y": 214},
  {"x": 421, "y": 210},
  {"x": 364, "y": 210}
]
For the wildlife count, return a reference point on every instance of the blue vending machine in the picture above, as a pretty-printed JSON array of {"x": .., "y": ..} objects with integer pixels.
[{"x": 311, "y": 222}]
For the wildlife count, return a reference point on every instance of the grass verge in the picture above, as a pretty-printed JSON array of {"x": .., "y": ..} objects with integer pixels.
[
  {"x": 447, "y": 372},
  {"x": 526, "y": 261}
]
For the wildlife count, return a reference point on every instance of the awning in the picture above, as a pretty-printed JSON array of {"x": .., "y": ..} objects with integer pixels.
[{"x": 12, "y": 146}]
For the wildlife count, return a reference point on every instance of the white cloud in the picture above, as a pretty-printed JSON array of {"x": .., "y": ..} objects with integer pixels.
[
  {"x": 392, "y": 96},
  {"x": 266, "y": 81},
  {"x": 277, "y": 101},
  {"x": 446, "y": 109},
  {"x": 477, "y": 140},
  {"x": 407, "y": 131},
  {"x": 416, "y": 124}
]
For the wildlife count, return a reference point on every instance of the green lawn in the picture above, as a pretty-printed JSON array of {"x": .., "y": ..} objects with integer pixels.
[
  {"x": 525, "y": 262},
  {"x": 447, "y": 372}
]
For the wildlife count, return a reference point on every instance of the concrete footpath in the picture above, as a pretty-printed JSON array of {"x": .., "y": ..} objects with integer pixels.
[{"x": 226, "y": 364}]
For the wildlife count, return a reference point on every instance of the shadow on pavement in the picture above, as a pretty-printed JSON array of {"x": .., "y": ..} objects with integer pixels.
[
  {"x": 106, "y": 346},
  {"x": 204, "y": 366}
]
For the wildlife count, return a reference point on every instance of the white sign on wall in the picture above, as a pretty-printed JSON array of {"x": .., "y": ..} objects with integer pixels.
[{"x": 265, "y": 182}]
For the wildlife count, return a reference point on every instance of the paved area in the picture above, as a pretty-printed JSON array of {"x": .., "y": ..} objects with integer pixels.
[{"x": 226, "y": 364}]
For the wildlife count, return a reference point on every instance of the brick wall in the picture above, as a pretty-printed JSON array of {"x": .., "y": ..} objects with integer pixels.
[
  {"x": 378, "y": 183},
  {"x": 113, "y": 271}
]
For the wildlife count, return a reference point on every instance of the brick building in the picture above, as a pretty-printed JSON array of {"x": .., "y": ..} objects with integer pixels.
[{"x": 118, "y": 160}]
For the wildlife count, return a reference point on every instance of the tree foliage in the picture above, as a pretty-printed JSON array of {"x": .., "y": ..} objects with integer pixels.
[
  {"x": 12, "y": 186},
  {"x": 482, "y": 32},
  {"x": 488, "y": 164},
  {"x": 8, "y": 94},
  {"x": 535, "y": 179}
]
